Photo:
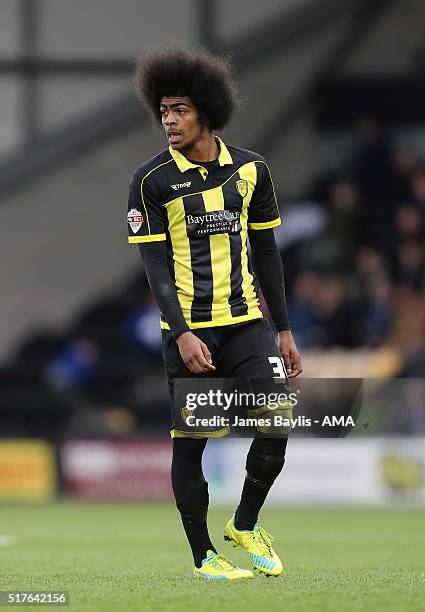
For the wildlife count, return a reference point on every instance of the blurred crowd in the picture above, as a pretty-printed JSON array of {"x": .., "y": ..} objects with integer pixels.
[{"x": 354, "y": 252}]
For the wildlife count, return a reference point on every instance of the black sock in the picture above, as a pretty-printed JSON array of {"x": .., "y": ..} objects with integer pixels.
[
  {"x": 199, "y": 539},
  {"x": 191, "y": 493},
  {"x": 265, "y": 461}
]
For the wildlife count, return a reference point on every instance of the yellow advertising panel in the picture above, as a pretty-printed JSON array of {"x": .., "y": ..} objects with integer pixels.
[{"x": 27, "y": 470}]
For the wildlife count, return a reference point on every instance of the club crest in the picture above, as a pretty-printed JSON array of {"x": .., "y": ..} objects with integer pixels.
[
  {"x": 242, "y": 187},
  {"x": 185, "y": 414}
]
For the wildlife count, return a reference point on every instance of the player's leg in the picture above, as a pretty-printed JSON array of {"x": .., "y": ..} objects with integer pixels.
[
  {"x": 189, "y": 485},
  {"x": 191, "y": 494},
  {"x": 264, "y": 462},
  {"x": 251, "y": 346}
]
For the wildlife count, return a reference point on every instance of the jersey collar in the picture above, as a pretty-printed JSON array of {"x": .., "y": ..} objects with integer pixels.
[{"x": 184, "y": 164}]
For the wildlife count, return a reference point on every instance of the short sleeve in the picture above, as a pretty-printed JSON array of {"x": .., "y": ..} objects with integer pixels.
[
  {"x": 146, "y": 217},
  {"x": 263, "y": 211}
]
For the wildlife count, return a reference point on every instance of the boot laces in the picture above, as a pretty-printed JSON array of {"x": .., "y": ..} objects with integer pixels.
[
  {"x": 263, "y": 540},
  {"x": 222, "y": 562}
]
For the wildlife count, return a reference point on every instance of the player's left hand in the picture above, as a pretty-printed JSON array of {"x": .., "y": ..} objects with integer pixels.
[{"x": 290, "y": 354}]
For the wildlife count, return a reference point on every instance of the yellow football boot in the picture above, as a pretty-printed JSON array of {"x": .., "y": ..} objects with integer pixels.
[
  {"x": 258, "y": 544},
  {"x": 217, "y": 567}
]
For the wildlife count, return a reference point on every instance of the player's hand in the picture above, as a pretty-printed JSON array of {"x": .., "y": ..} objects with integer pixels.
[
  {"x": 290, "y": 354},
  {"x": 195, "y": 353}
]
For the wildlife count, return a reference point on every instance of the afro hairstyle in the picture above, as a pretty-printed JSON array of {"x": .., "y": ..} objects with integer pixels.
[{"x": 172, "y": 70}]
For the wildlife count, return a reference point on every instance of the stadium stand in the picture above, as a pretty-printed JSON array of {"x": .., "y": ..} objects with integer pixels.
[{"x": 352, "y": 240}]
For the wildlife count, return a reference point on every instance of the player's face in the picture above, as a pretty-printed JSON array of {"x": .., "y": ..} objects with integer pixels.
[{"x": 181, "y": 122}]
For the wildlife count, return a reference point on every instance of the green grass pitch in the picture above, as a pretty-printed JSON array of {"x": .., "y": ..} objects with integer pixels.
[{"x": 129, "y": 557}]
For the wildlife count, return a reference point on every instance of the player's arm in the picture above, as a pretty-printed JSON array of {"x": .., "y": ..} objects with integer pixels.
[
  {"x": 147, "y": 226},
  {"x": 263, "y": 215},
  {"x": 193, "y": 351},
  {"x": 268, "y": 267}
]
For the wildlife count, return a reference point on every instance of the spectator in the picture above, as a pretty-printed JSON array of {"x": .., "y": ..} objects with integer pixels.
[
  {"x": 372, "y": 163},
  {"x": 410, "y": 264},
  {"x": 409, "y": 224},
  {"x": 379, "y": 312},
  {"x": 302, "y": 308},
  {"x": 74, "y": 365},
  {"x": 405, "y": 161},
  {"x": 143, "y": 326},
  {"x": 338, "y": 320}
]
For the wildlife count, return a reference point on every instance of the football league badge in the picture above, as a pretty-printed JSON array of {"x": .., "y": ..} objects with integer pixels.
[{"x": 135, "y": 219}]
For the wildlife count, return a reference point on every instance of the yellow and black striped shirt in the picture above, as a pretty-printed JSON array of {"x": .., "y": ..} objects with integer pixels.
[{"x": 204, "y": 218}]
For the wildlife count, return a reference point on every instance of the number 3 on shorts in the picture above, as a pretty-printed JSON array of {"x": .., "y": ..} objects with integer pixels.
[{"x": 279, "y": 367}]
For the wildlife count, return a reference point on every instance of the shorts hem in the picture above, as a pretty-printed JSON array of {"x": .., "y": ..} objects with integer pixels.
[{"x": 220, "y": 433}]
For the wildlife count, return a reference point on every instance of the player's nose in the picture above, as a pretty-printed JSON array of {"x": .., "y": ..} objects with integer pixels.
[{"x": 170, "y": 119}]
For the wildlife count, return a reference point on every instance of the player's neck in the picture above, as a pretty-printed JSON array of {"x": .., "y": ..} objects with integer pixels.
[{"x": 203, "y": 150}]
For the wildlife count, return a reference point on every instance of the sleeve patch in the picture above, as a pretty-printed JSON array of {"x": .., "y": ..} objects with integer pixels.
[{"x": 135, "y": 220}]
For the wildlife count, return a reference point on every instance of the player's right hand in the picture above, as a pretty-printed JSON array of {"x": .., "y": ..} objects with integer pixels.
[{"x": 195, "y": 353}]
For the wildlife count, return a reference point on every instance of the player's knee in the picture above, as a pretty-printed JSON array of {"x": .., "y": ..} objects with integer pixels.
[
  {"x": 265, "y": 460},
  {"x": 192, "y": 499}
]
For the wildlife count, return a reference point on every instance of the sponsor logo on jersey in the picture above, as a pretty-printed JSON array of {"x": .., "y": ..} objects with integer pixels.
[
  {"x": 242, "y": 187},
  {"x": 181, "y": 185},
  {"x": 213, "y": 222},
  {"x": 135, "y": 219}
]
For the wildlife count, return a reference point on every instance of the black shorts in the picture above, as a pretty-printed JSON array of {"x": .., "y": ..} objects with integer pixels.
[{"x": 243, "y": 352}]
